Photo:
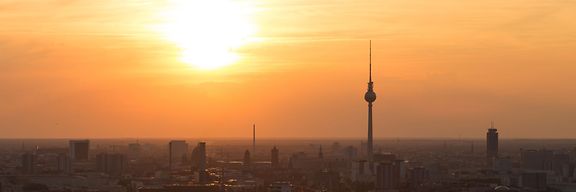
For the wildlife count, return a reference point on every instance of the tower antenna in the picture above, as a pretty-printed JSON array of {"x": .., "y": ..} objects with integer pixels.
[{"x": 370, "y": 56}]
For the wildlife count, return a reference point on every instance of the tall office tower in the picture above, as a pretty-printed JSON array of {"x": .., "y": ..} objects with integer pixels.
[
  {"x": 79, "y": 149},
  {"x": 491, "y": 144},
  {"x": 254, "y": 139},
  {"x": 387, "y": 176},
  {"x": 275, "y": 158},
  {"x": 101, "y": 162},
  {"x": 134, "y": 150},
  {"x": 200, "y": 157},
  {"x": 247, "y": 161},
  {"x": 28, "y": 163},
  {"x": 536, "y": 159},
  {"x": 178, "y": 150},
  {"x": 370, "y": 97},
  {"x": 111, "y": 164},
  {"x": 64, "y": 163}
]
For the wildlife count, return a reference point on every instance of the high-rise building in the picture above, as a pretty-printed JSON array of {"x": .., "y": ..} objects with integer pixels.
[
  {"x": 534, "y": 180},
  {"x": 387, "y": 176},
  {"x": 247, "y": 161},
  {"x": 370, "y": 97},
  {"x": 492, "y": 144},
  {"x": 199, "y": 159},
  {"x": 28, "y": 163},
  {"x": 64, "y": 163},
  {"x": 178, "y": 150},
  {"x": 79, "y": 149},
  {"x": 111, "y": 164},
  {"x": 134, "y": 150},
  {"x": 275, "y": 159},
  {"x": 536, "y": 159},
  {"x": 254, "y": 139}
]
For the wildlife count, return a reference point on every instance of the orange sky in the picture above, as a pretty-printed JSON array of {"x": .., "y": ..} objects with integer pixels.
[{"x": 443, "y": 68}]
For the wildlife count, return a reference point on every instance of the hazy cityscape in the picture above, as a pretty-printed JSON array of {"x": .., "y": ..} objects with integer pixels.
[
  {"x": 297, "y": 165},
  {"x": 287, "y": 96}
]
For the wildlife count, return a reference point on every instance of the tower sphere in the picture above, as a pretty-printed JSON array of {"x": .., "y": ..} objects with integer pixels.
[{"x": 370, "y": 96}]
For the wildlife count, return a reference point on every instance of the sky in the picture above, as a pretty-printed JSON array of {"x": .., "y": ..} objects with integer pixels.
[{"x": 297, "y": 68}]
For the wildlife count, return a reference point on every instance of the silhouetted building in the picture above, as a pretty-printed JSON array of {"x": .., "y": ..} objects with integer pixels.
[
  {"x": 79, "y": 149},
  {"x": 247, "y": 161},
  {"x": 199, "y": 162},
  {"x": 560, "y": 162},
  {"x": 28, "y": 163},
  {"x": 387, "y": 176},
  {"x": 534, "y": 180},
  {"x": 417, "y": 176},
  {"x": 134, "y": 150},
  {"x": 275, "y": 159},
  {"x": 111, "y": 164},
  {"x": 360, "y": 171},
  {"x": 536, "y": 159},
  {"x": 320, "y": 153},
  {"x": 64, "y": 163},
  {"x": 178, "y": 150},
  {"x": 491, "y": 144}
]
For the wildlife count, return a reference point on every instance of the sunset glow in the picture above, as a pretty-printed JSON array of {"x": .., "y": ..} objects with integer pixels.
[{"x": 209, "y": 33}]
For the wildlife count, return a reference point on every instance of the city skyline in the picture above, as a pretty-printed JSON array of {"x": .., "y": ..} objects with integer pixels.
[{"x": 74, "y": 69}]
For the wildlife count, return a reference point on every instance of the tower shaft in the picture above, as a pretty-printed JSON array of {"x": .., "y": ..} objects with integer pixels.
[{"x": 370, "y": 145}]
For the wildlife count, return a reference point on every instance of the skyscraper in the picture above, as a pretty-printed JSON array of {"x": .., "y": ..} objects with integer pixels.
[
  {"x": 111, "y": 164},
  {"x": 254, "y": 139},
  {"x": 247, "y": 161},
  {"x": 28, "y": 163},
  {"x": 199, "y": 162},
  {"x": 275, "y": 158},
  {"x": 177, "y": 150},
  {"x": 64, "y": 163},
  {"x": 491, "y": 143},
  {"x": 79, "y": 149},
  {"x": 370, "y": 97}
]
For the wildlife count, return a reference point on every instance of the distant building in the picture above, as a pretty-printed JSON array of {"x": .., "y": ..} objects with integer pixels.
[
  {"x": 361, "y": 171},
  {"x": 389, "y": 175},
  {"x": 503, "y": 164},
  {"x": 247, "y": 161},
  {"x": 28, "y": 163},
  {"x": 536, "y": 159},
  {"x": 134, "y": 150},
  {"x": 417, "y": 176},
  {"x": 111, "y": 164},
  {"x": 79, "y": 149},
  {"x": 199, "y": 162},
  {"x": 491, "y": 144},
  {"x": 534, "y": 180},
  {"x": 178, "y": 150},
  {"x": 275, "y": 159},
  {"x": 64, "y": 163}
]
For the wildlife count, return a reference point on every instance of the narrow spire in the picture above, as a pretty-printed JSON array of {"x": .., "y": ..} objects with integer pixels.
[
  {"x": 492, "y": 124},
  {"x": 370, "y": 56}
]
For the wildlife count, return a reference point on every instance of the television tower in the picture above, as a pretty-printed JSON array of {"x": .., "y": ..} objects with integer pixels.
[{"x": 370, "y": 97}]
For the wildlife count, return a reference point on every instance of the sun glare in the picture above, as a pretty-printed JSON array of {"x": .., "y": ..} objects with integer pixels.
[{"x": 208, "y": 32}]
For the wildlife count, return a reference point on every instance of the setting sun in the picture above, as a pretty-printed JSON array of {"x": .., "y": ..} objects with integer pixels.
[{"x": 208, "y": 32}]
